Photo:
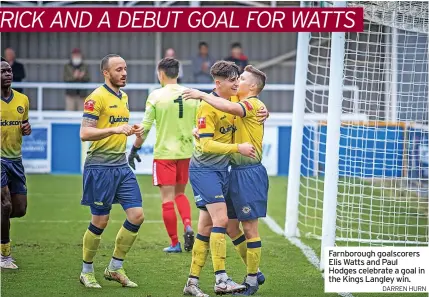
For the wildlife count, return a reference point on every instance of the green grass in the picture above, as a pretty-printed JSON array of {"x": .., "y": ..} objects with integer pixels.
[{"x": 47, "y": 245}]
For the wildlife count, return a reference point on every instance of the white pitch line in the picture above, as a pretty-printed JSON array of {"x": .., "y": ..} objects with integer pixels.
[
  {"x": 305, "y": 249},
  {"x": 273, "y": 225}
]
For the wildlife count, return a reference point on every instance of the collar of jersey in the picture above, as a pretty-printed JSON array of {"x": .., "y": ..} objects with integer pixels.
[
  {"x": 252, "y": 97},
  {"x": 171, "y": 85},
  {"x": 7, "y": 100},
  {"x": 215, "y": 94},
  {"x": 113, "y": 92}
]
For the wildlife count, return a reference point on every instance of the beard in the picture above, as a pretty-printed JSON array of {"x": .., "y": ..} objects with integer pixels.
[{"x": 117, "y": 84}]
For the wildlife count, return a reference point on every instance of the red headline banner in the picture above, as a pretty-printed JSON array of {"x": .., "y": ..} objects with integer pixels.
[{"x": 256, "y": 19}]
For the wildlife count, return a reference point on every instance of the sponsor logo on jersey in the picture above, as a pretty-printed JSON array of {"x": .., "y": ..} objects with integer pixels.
[
  {"x": 89, "y": 105},
  {"x": 225, "y": 130},
  {"x": 20, "y": 109},
  {"x": 10, "y": 123},
  {"x": 113, "y": 106},
  {"x": 113, "y": 119}
]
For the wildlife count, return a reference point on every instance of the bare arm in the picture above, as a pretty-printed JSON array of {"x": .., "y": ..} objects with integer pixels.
[
  {"x": 138, "y": 142},
  {"x": 26, "y": 127},
  {"x": 216, "y": 102},
  {"x": 149, "y": 118},
  {"x": 224, "y": 105},
  {"x": 89, "y": 132}
]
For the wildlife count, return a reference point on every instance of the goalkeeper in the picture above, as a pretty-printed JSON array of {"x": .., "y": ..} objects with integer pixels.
[
  {"x": 175, "y": 120},
  {"x": 248, "y": 188}
]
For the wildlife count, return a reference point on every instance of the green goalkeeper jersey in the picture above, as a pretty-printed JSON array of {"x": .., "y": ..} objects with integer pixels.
[{"x": 174, "y": 120}]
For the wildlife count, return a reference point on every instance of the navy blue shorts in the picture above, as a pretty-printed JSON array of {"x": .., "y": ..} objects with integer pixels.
[
  {"x": 13, "y": 176},
  {"x": 209, "y": 186},
  {"x": 107, "y": 185},
  {"x": 248, "y": 192}
]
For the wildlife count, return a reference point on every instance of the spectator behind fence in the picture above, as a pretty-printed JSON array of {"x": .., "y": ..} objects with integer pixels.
[
  {"x": 18, "y": 69},
  {"x": 201, "y": 65},
  {"x": 237, "y": 56},
  {"x": 76, "y": 71},
  {"x": 170, "y": 53}
]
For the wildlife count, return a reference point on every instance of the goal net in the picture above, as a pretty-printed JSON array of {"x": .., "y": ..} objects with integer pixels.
[{"x": 383, "y": 147}]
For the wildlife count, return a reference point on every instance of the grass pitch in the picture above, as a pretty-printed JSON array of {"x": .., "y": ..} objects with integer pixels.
[{"x": 47, "y": 246}]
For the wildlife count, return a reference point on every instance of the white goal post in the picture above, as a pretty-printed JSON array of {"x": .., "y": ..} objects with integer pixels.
[{"x": 362, "y": 183}]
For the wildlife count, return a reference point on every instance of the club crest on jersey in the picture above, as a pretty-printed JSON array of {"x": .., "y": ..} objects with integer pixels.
[
  {"x": 20, "y": 109},
  {"x": 201, "y": 123},
  {"x": 248, "y": 105},
  {"x": 246, "y": 209},
  {"x": 89, "y": 105}
]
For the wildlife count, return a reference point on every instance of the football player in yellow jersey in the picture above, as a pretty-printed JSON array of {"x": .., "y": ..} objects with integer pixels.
[
  {"x": 248, "y": 187},
  {"x": 107, "y": 178},
  {"x": 14, "y": 124},
  {"x": 209, "y": 179}
]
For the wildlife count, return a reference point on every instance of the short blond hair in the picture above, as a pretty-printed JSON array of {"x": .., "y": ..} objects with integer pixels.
[{"x": 260, "y": 76}]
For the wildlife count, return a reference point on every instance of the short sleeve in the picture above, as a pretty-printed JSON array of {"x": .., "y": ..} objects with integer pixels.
[
  {"x": 27, "y": 108},
  {"x": 249, "y": 108},
  {"x": 92, "y": 107}
]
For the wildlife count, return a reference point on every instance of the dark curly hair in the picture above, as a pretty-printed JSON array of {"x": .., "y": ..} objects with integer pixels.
[{"x": 224, "y": 69}]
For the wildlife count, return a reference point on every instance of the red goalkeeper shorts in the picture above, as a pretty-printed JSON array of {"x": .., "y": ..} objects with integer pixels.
[{"x": 170, "y": 172}]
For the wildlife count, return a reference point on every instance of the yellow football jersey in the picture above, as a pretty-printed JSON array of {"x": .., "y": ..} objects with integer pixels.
[
  {"x": 234, "y": 99},
  {"x": 14, "y": 113},
  {"x": 110, "y": 110},
  {"x": 248, "y": 129},
  {"x": 215, "y": 129}
]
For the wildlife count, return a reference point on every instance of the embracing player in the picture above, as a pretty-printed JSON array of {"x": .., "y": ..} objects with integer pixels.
[
  {"x": 14, "y": 124},
  {"x": 175, "y": 119},
  {"x": 107, "y": 178},
  {"x": 209, "y": 180},
  {"x": 248, "y": 188}
]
